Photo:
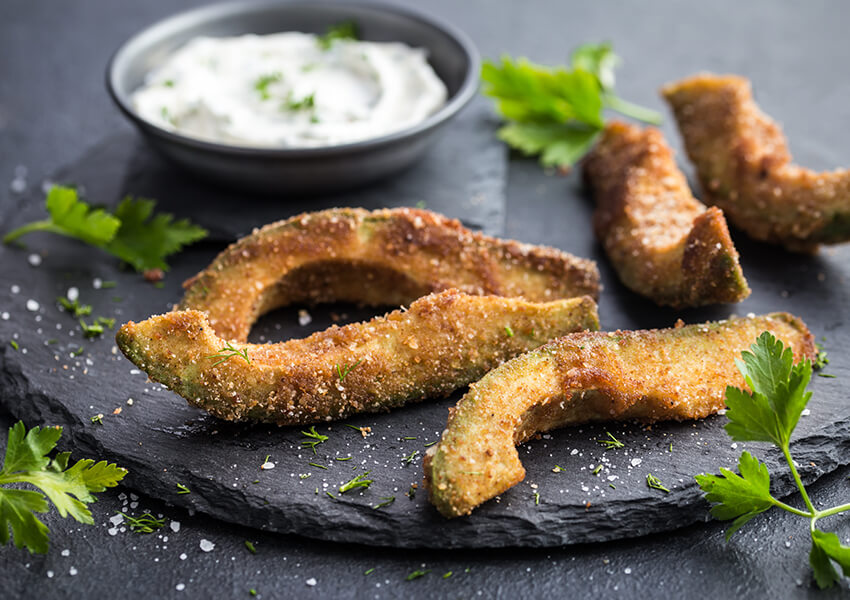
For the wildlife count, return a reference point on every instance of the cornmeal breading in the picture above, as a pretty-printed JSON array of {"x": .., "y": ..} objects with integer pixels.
[
  {"x": 679, "y": 373},
  {"x": 663, "y": 242},
  {"x": 744, "y": 166},
  {"x": 444, "y": 341},
  {"x": 383, "y": 257}
]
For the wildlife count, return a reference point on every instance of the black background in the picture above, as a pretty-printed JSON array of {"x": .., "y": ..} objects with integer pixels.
[{"x": 53, "y": 106}]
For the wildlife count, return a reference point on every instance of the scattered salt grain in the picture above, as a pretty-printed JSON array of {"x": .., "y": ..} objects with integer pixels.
[
  {"x": 4, "y": 316},
  {"x": 16, "y": 289},
  {"x": 175, "y": 526},
  {"x": 96, "y": 283},
  {"x": 627, "y": 570},
  {"x": 311, "y": 582},
  {"x": 267, "y": 465},
  {"x": 34, "y": 259},
  {"x": 50, "y": 574},
  {"x": 72, "y": 294},
  {"x": 806, "y": 412},
  {"x": 183, "y": 556},
  {"x": 66, "y": 552},
  {"x": 180, "y": 587},
  {"x": 32, "y": 305},
  {"x": 207, "y": 546},
  {"x": 72, "y": 571},
  {"x": 304, "y": 318},
  {"x": 636, "y": 461},
  {"x": 116, "y": 519}
]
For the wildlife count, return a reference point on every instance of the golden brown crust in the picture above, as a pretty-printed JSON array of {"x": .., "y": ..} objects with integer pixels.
[
  {"x": 663, "y": 243},
  {"x": 444, "y": 341},
  {"x": 383, "y": 257},
  {"x": 744, "y": 166},
  {"x": 678, "y": 373}
]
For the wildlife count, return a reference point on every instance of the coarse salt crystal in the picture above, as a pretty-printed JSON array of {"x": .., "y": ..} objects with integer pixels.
[
  {"x": 175, "y": 526},
  {"x": 180, "y": 587},
  {"x": 207, "y": 546},
  {"x": 636, "y": 461},
  {"x": 304, "y": 317},
  {"x": 16, "y": 289},
  {"x": 311, "y": 582},
  {"x": 32, "y": 305},
  {"x": 34, "y": 259}
]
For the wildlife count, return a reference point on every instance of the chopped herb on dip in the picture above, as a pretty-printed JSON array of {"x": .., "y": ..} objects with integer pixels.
[{"x": 290, "y": 90}]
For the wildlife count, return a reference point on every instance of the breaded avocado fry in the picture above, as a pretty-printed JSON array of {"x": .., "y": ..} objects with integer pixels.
[
  {"x": 663, "y": 242},
  {"x": 744, "y": 166},
  {"x": 442, "y": 342},
  {"x": 679, "y": 373},
  {"x": 381, "y": 258}
]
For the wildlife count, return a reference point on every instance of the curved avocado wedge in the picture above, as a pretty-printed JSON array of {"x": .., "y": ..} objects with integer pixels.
[
  {"x": 744, "y": 166},
  {"x": 379, "y": 258},
  {"x": 662, "y": 241},
  {"x": 442, "y": 342},
  {"x": 654, "y": 375}
]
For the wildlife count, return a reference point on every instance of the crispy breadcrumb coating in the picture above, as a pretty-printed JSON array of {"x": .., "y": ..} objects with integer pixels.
[
  {"x": 382, "y": 258},
  {"x": 663, "y": 242},
  {"x": 654, "y": 375},
  {"x": 442, "y": 342},
  {"x": 744, "y": 166}
]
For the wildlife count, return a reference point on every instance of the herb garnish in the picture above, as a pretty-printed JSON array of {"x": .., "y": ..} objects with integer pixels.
[
  {"x": 132, "y": 233},
  {"x": 316, "y": 438},
  {"x": 146, "y": 523},
  {"x": 345, "y": 370},
  {"x": 653, "y": 482},
  {"x": 770, "y": 414},
  {"x": 386, "y": 501},
  {"x": 229, "y": 352},
  {"x": 69, "y": 489},
  {"x": 369, "y": 571},
  {"x": 357, "y": 482},
  {"x": 509, "y": 331},
  {"x": 264, "y": 81},
  {"x": 77, "y": 352},
  {"x": 597, "y": 470},
  {"x": 611, "y": 442},
  {"x": 76, "y": 309},
  {"x": 410, "y": 457},
  {"x": 304, "y": 103},
  {"x": 536, "y": 498},
  {"x": 417, "y": 574},
  {"x": 556, "y": 112},
  {"x": 250, "y": 546},
  {"x": 98, "y": 418},
  {"x": 182, "y": 489},
  {"x": 14, "y": 344},
  {"x": 447, "y": 574},
  {"x": 558, "y": 469},
  {"x": 347, "y": 30}
]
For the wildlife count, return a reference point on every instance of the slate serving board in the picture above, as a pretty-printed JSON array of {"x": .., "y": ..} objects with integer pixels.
[{"x": 163, "y": 442}]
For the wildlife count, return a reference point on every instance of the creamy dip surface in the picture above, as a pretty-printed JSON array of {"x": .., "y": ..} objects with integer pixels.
[{"x": 287, "y": 90}]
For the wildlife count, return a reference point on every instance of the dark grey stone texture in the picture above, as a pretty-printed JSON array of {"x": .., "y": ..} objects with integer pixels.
[{"x": 50, "y": 110}]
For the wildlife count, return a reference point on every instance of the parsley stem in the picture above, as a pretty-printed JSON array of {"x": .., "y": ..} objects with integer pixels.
[
  {"x": 787, "y": 453},
  {"x": 632, "y": 110},
  {"x": 791, "y": 509},
  {"x": 830, "y": 511},
  {"x": 45, "y": 225}
]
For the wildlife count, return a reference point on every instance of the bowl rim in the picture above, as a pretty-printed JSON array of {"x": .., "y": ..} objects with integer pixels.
[{"x": 466, "y": 91}]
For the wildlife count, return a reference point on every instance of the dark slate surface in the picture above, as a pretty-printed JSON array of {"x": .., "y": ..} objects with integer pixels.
[{"x": 50, "y": 110}]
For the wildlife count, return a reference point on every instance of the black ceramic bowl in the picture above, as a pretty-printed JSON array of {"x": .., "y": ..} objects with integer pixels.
[{"x": 309, "y": 170}]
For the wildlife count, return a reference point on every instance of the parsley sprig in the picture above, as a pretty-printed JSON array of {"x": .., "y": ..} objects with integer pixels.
[
  {"x": 68, "y": 488},
  {"x": 316, "y": 438},
  {"x": 769, "y": 414},
  {"x": 557, "y": 112},
  {"x": 132, "y": 233}
]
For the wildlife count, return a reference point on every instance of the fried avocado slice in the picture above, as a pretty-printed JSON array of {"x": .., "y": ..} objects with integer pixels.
[
  {"x": 744, "y": 167},
  {"x": 379, "y": 258},
  {"x": 654, "y": 375},
  {"x": 442, "y": 342},
  {"x": 663, "y": 242}
]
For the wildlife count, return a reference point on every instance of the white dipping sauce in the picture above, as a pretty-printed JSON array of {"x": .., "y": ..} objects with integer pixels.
[{"x": 286, "y": 91}]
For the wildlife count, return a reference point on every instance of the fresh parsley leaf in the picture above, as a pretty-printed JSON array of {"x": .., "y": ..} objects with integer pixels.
[
  {"x": 771, "y": 412},
  {"x": 557, "y": 112},
  {"x": 347, "y": 30},
  {"x": 826, "y": 548},
  {"x": 740, "y": 497},
  {"x": 305, "y": 102},
  {"x": 356, "y": 482},
  {"x": 132, "y": 234},
  {"x": 71, "y": 217},
  {"x": 144, "y": 240},
  {"x": 69, "y": 489}
]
